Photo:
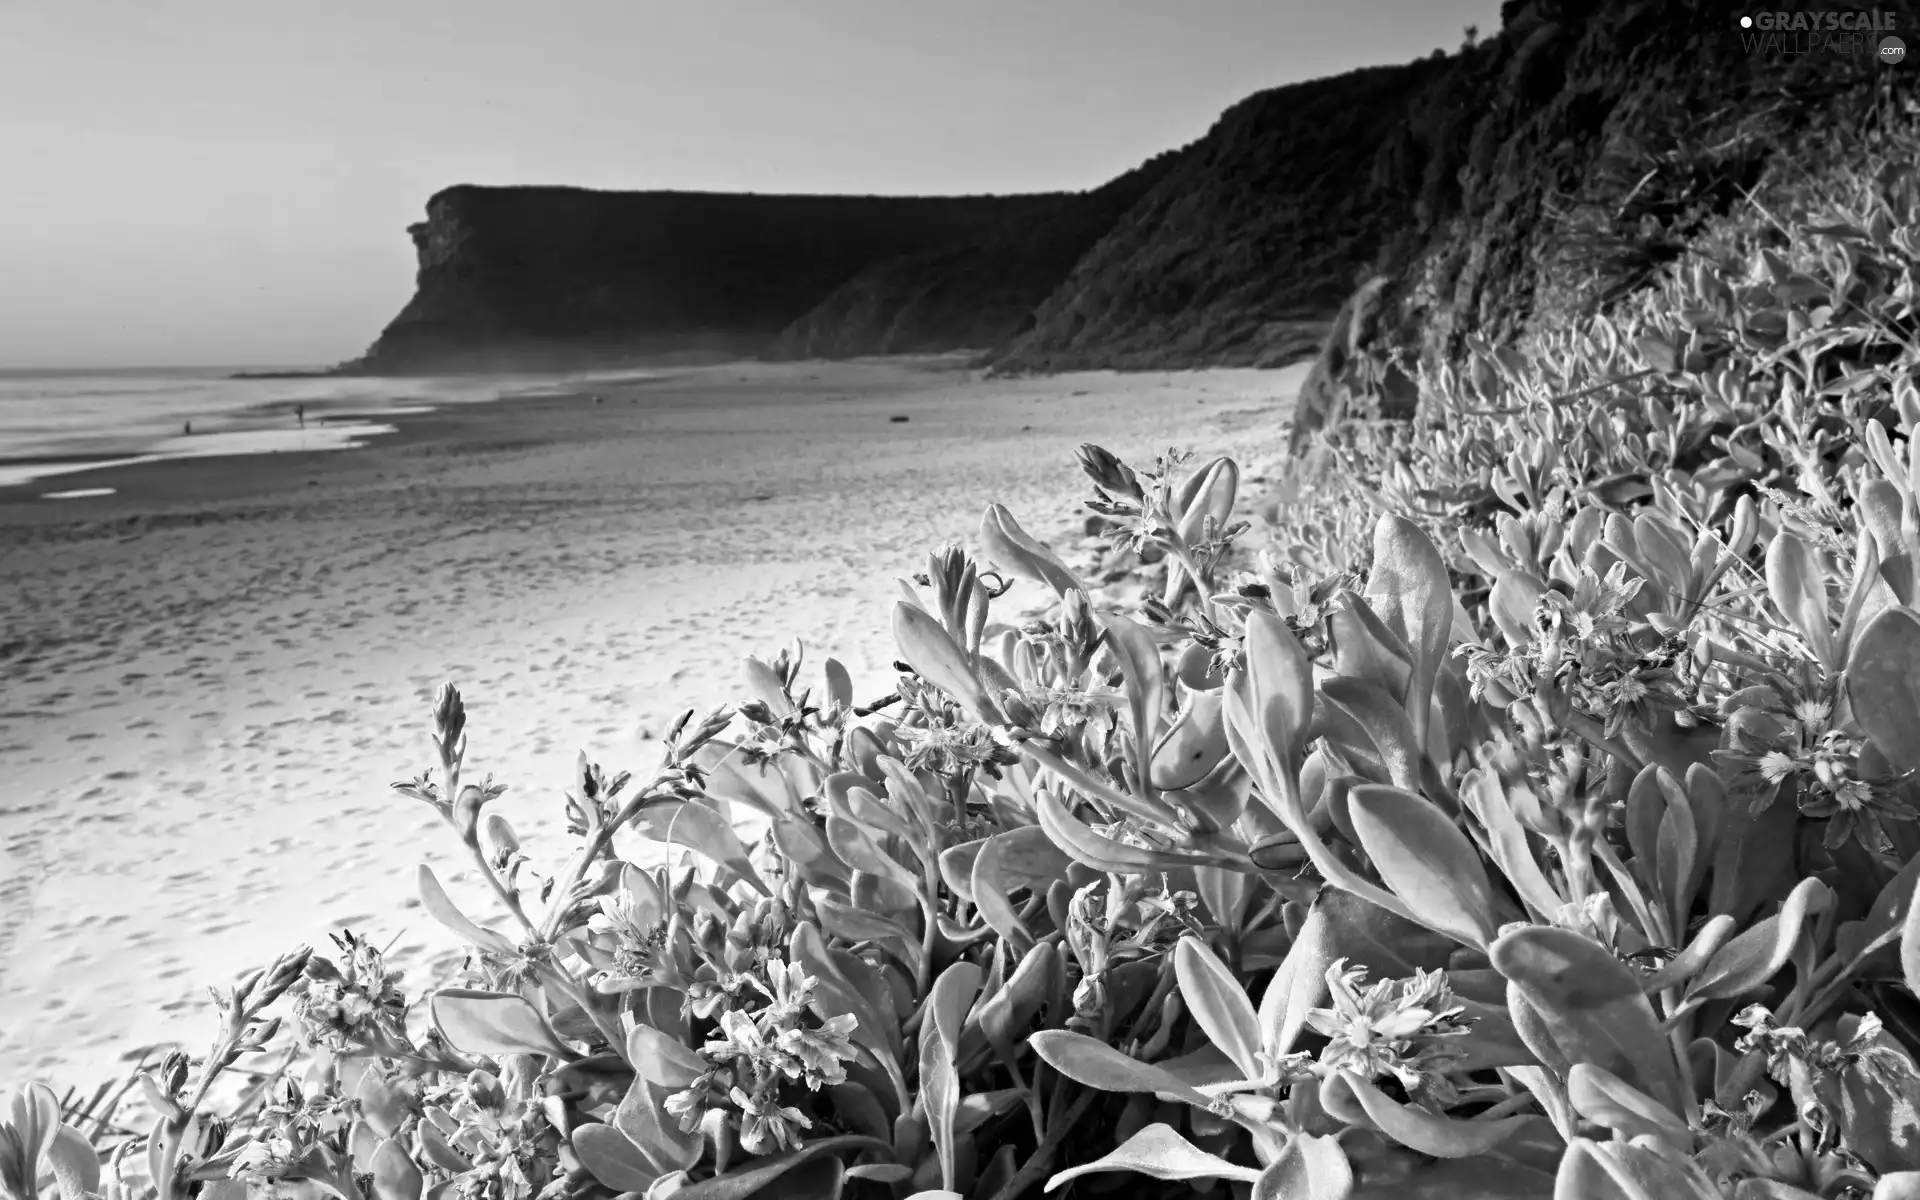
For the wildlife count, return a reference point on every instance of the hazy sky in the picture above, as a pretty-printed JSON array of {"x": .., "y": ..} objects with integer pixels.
[{"x": 229, "y": 181}]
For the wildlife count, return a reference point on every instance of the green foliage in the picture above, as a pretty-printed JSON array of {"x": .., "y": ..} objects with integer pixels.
[{"x": 1534, "y": 818}]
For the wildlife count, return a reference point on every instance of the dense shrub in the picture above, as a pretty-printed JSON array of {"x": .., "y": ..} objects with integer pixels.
[{"x": 1535, "y": 818}]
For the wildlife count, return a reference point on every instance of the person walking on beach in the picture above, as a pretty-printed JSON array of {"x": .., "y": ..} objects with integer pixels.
[{"x": 300, "y": 414}]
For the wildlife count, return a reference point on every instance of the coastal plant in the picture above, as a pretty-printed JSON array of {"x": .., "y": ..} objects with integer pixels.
[{"x": 1536, "y": 813}]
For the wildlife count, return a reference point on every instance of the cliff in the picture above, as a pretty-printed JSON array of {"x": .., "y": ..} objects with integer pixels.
[
  {"x": 1550, "y": 168},
  {"x": 539, "y": 277},
  {"x": 976, "y": 294},
  {"x": 1581, "y": 150},
  {"x": 1245, "y": 250}
]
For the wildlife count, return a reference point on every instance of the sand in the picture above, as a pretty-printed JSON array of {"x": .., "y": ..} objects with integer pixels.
[{"x": 209, "y": 676}]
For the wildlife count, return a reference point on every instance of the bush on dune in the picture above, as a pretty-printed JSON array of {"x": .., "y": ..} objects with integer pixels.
[{"x": 1534, "y": 818}]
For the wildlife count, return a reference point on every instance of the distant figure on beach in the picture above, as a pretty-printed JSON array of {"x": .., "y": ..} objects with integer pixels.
[
  {"x": 189, "y": 428},
  {"x": 300, "y": 414}
]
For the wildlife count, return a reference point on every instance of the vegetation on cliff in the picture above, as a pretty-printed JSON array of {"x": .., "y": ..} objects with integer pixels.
[
  {"x": 1243, "y": 252},
  {"x": 1570, "y": 159}
]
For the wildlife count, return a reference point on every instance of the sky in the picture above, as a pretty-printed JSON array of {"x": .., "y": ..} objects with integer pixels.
[{"x": 230, "y": 181}]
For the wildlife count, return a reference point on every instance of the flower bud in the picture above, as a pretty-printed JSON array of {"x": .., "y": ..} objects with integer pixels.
[
  {"x": 946, "y": 566},
  {"x": 1107, "y": 471},
  {"x": 710, "y": 935},
  {"x": 213, "y": 1135},
  {"x": 586, "y": 777},
  {"x": 709, "y": 728},
  {"x": 285, "y": 971},
  {"x": 501, "y": 836},
  {"x": 449, "y": 717},
  {"x": 1090, "y": 999},
  {"x": 484, "y": 1090},
  {"x": 1746, "y": 525},
  {"x": 243, "y": 990},
  {"x": 1020, "y": 713}
]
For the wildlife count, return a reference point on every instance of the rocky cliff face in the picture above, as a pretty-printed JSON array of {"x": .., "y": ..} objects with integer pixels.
[
  {"x": 1550, "y": 168},
  {"x": 976, "y": 294},
  {"x": 540, "y": 277},
  {"x": 1245, "y": 250},
  {"x": 1581, "y": 149}
]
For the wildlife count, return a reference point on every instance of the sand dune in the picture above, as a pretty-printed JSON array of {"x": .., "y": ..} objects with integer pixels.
[{"x": 211, "y": 677}]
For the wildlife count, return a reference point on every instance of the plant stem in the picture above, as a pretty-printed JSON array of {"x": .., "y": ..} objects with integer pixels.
[
  {"x": 1036, "y": 1166},
  {"x": 1594, "y": 732},
  {"x": 1030, "y": 1093},
  {"x": 563, "y": 979},
  {"x": 450, "y": 763},
  {"x": 499, "y": 886},
  {"x": 1202, "y": 585},
  {"x": 930, "y": 903},
  {"x": 1832, "y": 982},
  {"x": 1653, "y": 922},
  {"x": 1143, "y": 807},
  {"x": 577, "y": 870},
  {"x": 1512, "y": 1104}
]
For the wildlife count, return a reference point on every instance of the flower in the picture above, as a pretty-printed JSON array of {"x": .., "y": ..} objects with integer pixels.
[
  {"x": 1786, "y": 1046},
  {"x": 263, "y": 1158},
  {"x": 816, "y": 1054},
  {"x": 637, "y": 931},
  {"x": 1390, "y": 1027},
  {"x": 948, "y": 750},
  {"x": 767, "y": 1126},
  {"x": 790, "y": 989},
  {"x": 742, "y": 1040},
  {"x": 1592, "y": 613},
  {"x": 707, "y": 998},
  {"x": 1775, "y": 766},
  {"x": 1065, "y": 710},
  {"x": 355, "y": 1004},
  {"x": 1854, "y": 808},
  {"x": 690, "y": 1104},
  {"x": 1778, "y": 736}
]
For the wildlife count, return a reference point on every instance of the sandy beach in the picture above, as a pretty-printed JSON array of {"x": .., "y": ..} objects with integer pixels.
[{"x": 211, "y": 675}]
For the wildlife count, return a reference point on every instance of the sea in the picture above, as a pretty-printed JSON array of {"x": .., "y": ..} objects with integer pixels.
[{"x": 56, "y": 422}]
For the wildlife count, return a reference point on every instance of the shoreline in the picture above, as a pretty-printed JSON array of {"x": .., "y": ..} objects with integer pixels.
[
  {"x": 200, "y": 478},
  {"x": 162, "y": 477},
  {"x": 334, "y": 423}
]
